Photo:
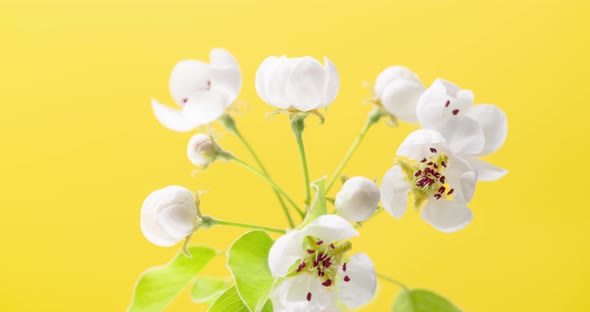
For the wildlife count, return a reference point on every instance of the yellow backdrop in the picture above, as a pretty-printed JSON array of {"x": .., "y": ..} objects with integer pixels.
[{"x": 80, "y": 148}]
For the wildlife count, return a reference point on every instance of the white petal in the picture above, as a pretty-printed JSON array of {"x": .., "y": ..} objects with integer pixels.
[
  {"x": 451, "y": 89},
  {"x": 357, "y": 200},
  {"x": 285, "y": 252},
  {"x": 227, "y": 79},
  {"x": 330, "y": 228},
  {"x": 276, "y": 74},
  {"x": 172, "y": 118},
  {"x": 447, "y": 215},
  {"x": 261, "y": 74},
  {"x": 302, "y": 286},
  {"x": 390, "y": 74},
  {"x": 493, "y": 122},
  {"x": 178, "y": 219},
  {"x": 400, "y": 98},
  {"x": 485, "y": 170},
  {"x": 418, "y": 143},
  {"x": 362, "y": 281},
  {"x": 306, "y": 84},
  {"x": 150, "y": 227},
  {"x": 332, "y": 83},
  {"x": 394, "y": 192},
  {"x": 205, "y": 107},
  {"x": 188, "y": 77},
  {"x": 462, "y": 178},
  {"x": 222, "y": 57},
  {"x": 430, "y": 107},
  {"x": 199, "y": 148},
  {"x": 463, "y": 134}
]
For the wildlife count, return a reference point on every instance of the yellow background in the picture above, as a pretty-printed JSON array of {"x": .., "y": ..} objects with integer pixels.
[{"x": 80, "y": 148}]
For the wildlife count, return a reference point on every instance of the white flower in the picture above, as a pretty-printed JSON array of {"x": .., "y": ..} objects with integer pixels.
[
  {"x": 300, "y": 83},
  {"x": 433, "y": 175},
  {"x": 470, "y": 130},
  {"x": 358, "y": 199},
  {"x": 202, "y": 91},
  {"x": 168, "y": 215},
  {"x": 200, "y": 149},
  {"x": 317, "y": 269},
  {"x": 398, "y": 89}
]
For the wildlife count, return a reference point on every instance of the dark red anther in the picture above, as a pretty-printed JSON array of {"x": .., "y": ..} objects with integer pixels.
[
  {"x": 437, "y": 196},
  {"x": 310, "y": 251},
  {"x": 455, "y": 112},
  {"x": 320, "y": 242},
  {"x": 184, "y": 100},
  {"x": 435, "y": 166},
  {"x": 433, "y": 150},
  {"x": 327, "y": 283},
  {"x": 308, "y": 296},
  {"x": 444, "y": 164},
  {"x": 450, "y": 191},
  {"x": 419, "y": 172},
  {"x": 301, "y": 266},
  {"x": 441, "y": 189},
  {"x": 430, "y": 163},
  {"x": 208, "y": 84},
  {"x": 447, "y": 103},
  {"x": 344, "y": 267},
  {"x": 442, "y": 179},
  {"x": 423, "y": 160},
  {"x": 347, "y": 279},
  {"x": 332, "y": 246}
]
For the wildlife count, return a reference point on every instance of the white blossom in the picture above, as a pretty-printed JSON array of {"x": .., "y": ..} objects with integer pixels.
[
  {"x": 201, "y": 149},
  {"x": 398, "y": 89},
  {"x": 470, "y": 130},
  {"x": 300, "y": 83},
  {"x": 168, "y": 215},
  {"x": 357, "y": 199},
  {"x": 202, "y": 91},
  {"x": 440, "y": 184},
  {"x": 318, "y": 272}
]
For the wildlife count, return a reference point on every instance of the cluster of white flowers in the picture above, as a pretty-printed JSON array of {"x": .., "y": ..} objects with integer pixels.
[{"x": 435, "y": 170}]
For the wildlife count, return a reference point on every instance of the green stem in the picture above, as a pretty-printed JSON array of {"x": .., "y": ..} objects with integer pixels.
[
  {"x": 271, "y": 183},
  {"x": 230, "y": 125},
  {"x": 297, "y": 125},
  {"x": 373, "y": 118},
  {"x": 393, "y": 281},
  {"x": 248, "y": 226}
]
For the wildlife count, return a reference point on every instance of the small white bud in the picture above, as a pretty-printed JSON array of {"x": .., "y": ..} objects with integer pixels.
[
  {"x": 168, "y": 215},
  {"x": 201, "y": 149},
  {"x": 358, "y": 199},
  {"x": 398, "y": 89}
]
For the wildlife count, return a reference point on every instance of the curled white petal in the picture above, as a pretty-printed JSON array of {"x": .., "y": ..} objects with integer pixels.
[
  {"x": 172, "y": 119},
  {"x": 391, "y": 74},
  {"x": 306, "y": 84},
  {"x": 168, "y": 215},
  {"x": 394, "y": 192},
  {"x": 330, "y": 228},
  {"x": 357, "y": 199},
  {"x": 462, "y": 178},
  {"x": 222, "y": 57},
  {"x": 205, "y": 106},
  {"x": 400, "y": 98},
  {"x": 332, "y": 83},
  {"x": 418, "y": 143},
  {"x": 447, "y": 215},
  {"x": 357, "y": 285},
  {"x": 188, "y": 77},
  {"x": 485, "y": 170}
]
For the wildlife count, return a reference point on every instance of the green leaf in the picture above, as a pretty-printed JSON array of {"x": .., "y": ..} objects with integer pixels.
[
  {"x": 158, "y": 286},
  {"x": 421, "y": 300},
  {"x": 319, "y": 207},
  {"x": 230, "y": 301},
  {"x": 248, "y": 262},
  {"x": 207, "y": 289}
]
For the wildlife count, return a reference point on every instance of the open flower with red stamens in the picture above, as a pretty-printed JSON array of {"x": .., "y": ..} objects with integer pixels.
[
  {"x": 470, "y": 130},
  {"x": 203, "y": 91},
  {"x": 440, "y": 184},
  {"x": 317, "y": 270}
]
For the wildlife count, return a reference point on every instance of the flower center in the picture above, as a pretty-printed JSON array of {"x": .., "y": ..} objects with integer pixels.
[
  {"x": 429, "y": 176},
  {"x": 323, "y": 259}
]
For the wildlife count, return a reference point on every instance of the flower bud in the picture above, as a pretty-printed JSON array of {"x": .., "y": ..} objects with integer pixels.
[
  {"x": 201, "y": 149},
  {"x": 168, "y": 215},
  {"x": 398, "y": 89},
  {"x": 358, "y": 199}
]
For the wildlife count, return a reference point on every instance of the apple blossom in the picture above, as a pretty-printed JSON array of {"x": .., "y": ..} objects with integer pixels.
[
  {"x": 398, "y": 89},
  {"x": 470, "y": 130},
  {"x": 433, "y": 176},
  {"x": 300, "y": 83},
  {"x": 203, "y": 91},
  {"x": 168, "y": 215},
  {"x": 357, "y": 199},
  {"x": 316, "y": 269}
]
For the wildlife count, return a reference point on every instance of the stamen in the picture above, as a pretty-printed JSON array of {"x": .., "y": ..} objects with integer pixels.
[
  {"x": 447, "y": 103},
  {"x": 419, "y": 172},
  {"x": 441, "y": 189},
  {"x": 423, "y": 160},
  {"x": 344, "y": 267},
  {"x": 332, "y": 246},
  {"x": 320, "y": 242},
  {"x": 433, "y": 150},
  {"x": 310, "y": 251},
  {"x": 347, "y": 279},
  {"x": 327, "y": 283},
  {"x": 450, "y": 191},
  {"x": 308, "y": 296},
  {"x": 437, "y": 196},
  {"x": 444, "y": 164},
  {"x": 184, "y": 100},
  {"x": 455, "y": 112}
]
